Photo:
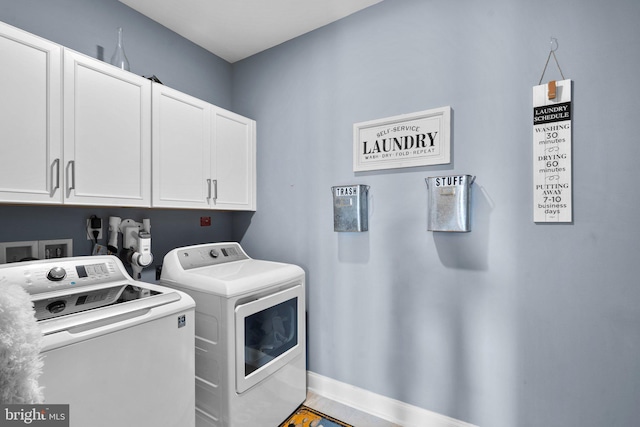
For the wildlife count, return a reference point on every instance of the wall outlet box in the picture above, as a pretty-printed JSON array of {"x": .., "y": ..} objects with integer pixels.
[
  {"x": 205, "y": 221},
  {"x": 60, "y": 248},
  {"x": 90, "y": 230},
  {"x": 18, "y": 251}
]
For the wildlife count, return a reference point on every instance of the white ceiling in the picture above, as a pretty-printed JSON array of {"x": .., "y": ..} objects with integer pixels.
[{"x": 236, "y": 29}]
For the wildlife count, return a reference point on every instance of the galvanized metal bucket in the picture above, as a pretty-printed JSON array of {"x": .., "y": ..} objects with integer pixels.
[
  {"x": 350, "y": 207},
  {"x": 449, "y": 203}
]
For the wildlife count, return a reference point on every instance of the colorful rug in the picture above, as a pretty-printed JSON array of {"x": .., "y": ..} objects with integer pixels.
[{"x": 307, "y": 417}]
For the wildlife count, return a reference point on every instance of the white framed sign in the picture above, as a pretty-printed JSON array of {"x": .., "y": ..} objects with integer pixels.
[
  {"x": 408, "y": 140},
  {"x": 552, "y": 178}
]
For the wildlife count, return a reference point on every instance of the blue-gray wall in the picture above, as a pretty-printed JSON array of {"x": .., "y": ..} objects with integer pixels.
[
  {"x": 513, "y": 324},
  {"x": 90, "y": 27}
]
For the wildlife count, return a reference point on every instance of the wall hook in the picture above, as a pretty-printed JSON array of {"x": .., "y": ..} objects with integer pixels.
[{"x": 552, "y": 51}]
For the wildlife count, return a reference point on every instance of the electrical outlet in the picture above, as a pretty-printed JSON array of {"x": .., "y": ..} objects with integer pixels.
[
  {"x": 205, "y": 221},
  {"x": 90, "y": 229}
]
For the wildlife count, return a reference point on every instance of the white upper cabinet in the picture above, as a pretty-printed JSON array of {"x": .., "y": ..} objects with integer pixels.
[
  {"x": 203, "y": 156},
  {"x": 234, "y": 166},
  {"x": 107, "y": 134},
  {"x": 181, "y": 150},
  {"x": 78, "y": 131},
  {"x": 30, "y": 118}
]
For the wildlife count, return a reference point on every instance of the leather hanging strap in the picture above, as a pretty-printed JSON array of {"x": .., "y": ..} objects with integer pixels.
[{"x": 551, "y": 89}]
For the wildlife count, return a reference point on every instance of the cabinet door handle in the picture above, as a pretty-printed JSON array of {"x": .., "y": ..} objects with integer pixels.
[
  {"x": 208, "y": 189},
  {"x": 215, "y": 189},
  {"x": 72, "y": 167},
  {"x": 55, "y": 166}
]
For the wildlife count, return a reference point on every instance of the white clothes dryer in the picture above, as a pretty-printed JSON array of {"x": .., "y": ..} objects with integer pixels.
[{"x": 250, "y": 333}]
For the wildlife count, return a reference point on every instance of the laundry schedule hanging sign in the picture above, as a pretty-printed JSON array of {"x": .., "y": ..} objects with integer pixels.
[{"x": 552, "y": 178}]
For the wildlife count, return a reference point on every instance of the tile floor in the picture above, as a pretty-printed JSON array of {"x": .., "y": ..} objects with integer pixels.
[{"x": 344, "y": 413}]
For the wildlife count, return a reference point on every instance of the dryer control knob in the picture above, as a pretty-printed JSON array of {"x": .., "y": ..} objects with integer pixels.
[
  {"x": 56, "y": 274},
  {"x": 214, "y": 253}
]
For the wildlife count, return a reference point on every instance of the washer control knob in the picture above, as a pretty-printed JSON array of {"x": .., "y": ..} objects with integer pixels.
[
  {"x": 56, "y": 274},
  {"x": 57, "y": 306},
  {"x": 214, "y": 253}
]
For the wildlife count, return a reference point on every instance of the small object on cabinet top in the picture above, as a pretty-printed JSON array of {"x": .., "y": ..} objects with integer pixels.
[{"x": 153, "y": 79}]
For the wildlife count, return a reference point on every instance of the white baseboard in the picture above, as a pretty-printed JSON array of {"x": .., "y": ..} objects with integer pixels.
[{"x": 383, "y": 407}]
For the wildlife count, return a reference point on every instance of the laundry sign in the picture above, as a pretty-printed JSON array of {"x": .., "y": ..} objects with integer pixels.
[
  {"x": 552, "y": 182},
  {"x": 408, "y": 140}
]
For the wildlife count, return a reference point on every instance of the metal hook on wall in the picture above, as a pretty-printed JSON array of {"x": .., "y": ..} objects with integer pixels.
[{"x": 553, "y": 46}]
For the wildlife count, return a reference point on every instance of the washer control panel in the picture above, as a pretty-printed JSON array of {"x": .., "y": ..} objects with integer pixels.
[
  {"x": 68, "y": 285},
  {"x": 38, "y": 277},
  {"x": 210, "y": 254}
]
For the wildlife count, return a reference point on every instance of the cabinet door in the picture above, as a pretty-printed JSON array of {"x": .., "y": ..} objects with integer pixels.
[
  {"x": 30, "y": 118},
  {"x": 234, "y": 161},
  {"x": 107, "y": 134},
  {"x": 181, "y": 150}
]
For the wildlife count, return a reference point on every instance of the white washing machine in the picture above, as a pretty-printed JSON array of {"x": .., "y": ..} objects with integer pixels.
[
  {"x": 117, "y": 351},
  {"x": 250, "y": 334}
]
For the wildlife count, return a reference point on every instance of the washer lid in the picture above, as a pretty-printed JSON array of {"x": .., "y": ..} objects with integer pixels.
[{"x": 66, "y": 287}]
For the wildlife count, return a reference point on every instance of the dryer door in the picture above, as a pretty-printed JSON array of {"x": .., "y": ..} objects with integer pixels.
[{"x": 269, "y": 334}]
